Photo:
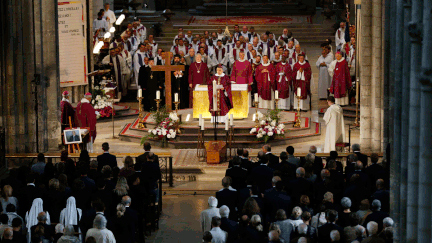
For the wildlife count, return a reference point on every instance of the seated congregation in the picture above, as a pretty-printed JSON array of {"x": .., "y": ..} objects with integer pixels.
[
  {"x": 291, "y": 199},
  {"x": 84, "y": 201}
]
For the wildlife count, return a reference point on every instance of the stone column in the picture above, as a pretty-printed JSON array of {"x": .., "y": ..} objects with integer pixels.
[
  {"x": 365, "y": 74},
  {"x": 425, "y": 178},
  {"x": 376, "y": 77},
  {"x": 414, "y": 120}
]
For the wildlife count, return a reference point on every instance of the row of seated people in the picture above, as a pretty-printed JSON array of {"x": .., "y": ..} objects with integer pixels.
[
  {"x": 102, "y": 202},
  {"x": 304, "y": 198}
]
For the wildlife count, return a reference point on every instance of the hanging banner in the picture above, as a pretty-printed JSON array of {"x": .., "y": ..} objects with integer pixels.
[{"x": 72, "y": 44}]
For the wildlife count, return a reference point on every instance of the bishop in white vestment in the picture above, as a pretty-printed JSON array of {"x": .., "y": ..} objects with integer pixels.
[{"x": 335, "y": 126}]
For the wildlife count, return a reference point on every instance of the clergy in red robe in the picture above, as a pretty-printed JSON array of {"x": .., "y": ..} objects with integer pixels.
[
  {"x": 302, "y": 75},
  {"x": 242, "y": 73},
  {"x": 341, "y": 79},
  {"x": 198, "y": 74},
  {"x": 86, "y": 115},
  {"x": 66, "y": 111},
  {"x": 284, "y": 83},
  {"x": 265, "y": 75},
  {"x": 224, "y": 103}
]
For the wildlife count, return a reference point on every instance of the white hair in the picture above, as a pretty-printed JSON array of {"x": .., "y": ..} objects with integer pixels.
[
  {"x": 302, "y": 229},
  {"x": 302, "y": 240},
  {"x": 197, "y": 55},
  {"x": 312, "y": 149},
  {"x": 335, "y": 235},
  {"x": 360, "y": 231},
  {"x": 224, "y": 211},
  {"x": 376, "y": 205},
  {"x": 346, "y": 202},
  {"x": 388, "y": 222},
  {"x": 372, "y": 228},
  {"x": 59, "y": 228},
  {"x": 69, "y": 230},
  {"x": 212, "y": 201},
  {"x": 273, "y": 235},
  {"x": 297, "y": 212},
  {"x": 99, "y": 222}
]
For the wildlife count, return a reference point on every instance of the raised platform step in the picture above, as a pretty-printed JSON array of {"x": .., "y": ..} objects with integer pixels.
[{"x": 349, "y": 112}]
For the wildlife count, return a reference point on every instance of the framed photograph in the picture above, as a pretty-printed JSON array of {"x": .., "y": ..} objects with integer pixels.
[{"x": 72, "y": 136}]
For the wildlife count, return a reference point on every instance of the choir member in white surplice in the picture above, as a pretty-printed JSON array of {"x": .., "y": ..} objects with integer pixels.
[
  {"x": 100, "y": 24},
  {"x": 324, "y": 79},
  {"x": 138, "y": 61},
  {"x": 340, "y": 36},
  {"x": 109, "y": 16},
  {"x": 120, "y": 69},
  {"x": 335, "y": 126}
]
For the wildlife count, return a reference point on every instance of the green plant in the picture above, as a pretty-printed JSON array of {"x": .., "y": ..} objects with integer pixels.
[
  {"x": 273, "y": 115},
  {"x": 159, "y": 116}
]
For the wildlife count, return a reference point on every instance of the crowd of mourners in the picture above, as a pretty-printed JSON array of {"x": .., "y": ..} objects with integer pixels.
[
  {"x": 83, "y": 201},
  {"x": 290, "y": 199}
]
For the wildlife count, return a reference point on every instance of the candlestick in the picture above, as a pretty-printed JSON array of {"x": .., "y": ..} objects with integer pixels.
[
  {"x": 157, "y": 103},
  {"x": 298, "y": 91},
  {"x": 298, "y": 121},
  {"x": 176, "y": 104},
  {"x": 140, "y": 113},
  {"x": 139, "y": 93},
  {"x": 231, "y": 120},
  {"x": 158, "y": 95},
  {"x": 256, "y": 115},
  {"x": 176, "y": 97},
  {"x": 276, "y": 95}
]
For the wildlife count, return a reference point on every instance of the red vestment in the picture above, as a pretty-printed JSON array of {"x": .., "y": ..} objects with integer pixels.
[
  {"x": 265, "y": 80},
  {"x": 283, "y": 82},
  {"x": 225, "y": 82},
  {"x": 341, "y": 81},
  {"x": 303, "y": 84},
  {"x": 242, "y": 73},
  {"x": 198, "y": 74},
  {"x": 86, "y": 116}
]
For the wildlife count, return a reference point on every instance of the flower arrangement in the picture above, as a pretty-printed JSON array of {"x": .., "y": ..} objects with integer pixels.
[
  {"x": 166, "y": 128},
  {"x": 268, "y": 128},
  {"x": 100, "y": 103}
]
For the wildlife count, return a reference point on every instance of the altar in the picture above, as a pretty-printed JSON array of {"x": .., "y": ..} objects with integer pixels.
[{"x": 240, "y": 99}]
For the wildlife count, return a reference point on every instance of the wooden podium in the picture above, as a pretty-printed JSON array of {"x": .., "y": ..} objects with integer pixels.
[{"x": 216, "y": 151}]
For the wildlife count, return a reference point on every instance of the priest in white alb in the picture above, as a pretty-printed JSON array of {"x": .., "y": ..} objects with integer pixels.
[
  {"x": 335, "y": 126},
  {"x": 324, "y": 79},
  {"x": 109, "y": 16}
]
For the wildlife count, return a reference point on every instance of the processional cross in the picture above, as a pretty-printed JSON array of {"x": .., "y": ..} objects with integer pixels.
[{"x": 168, "y": 68}]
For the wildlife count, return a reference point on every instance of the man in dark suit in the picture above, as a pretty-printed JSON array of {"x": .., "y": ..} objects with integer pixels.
[
  {"x": 238, "y": 174},
  {"x": 363, "y": 176},
  {"x": 375, "y": 171},
  {"x": 318, "y": 163},
  {"x": 106, "y": 158},
  {"x": 228, "y": 225},
  {"x": 143, "y": 157},
  {"x": 132, "y": 217},
  {"x": 237, "y": 157},
  {"x": 356, "y": 192},
  {"x": 152, "y": 173},
  {"x": 334, "y": 156},
  {"x": 93, "y": 173},
  {"x": 291, "y": 158},
  {"x": 376, "y": 215},
  {"x": 29, "y": 193},
  {"x": 324, "y": 230},
  {"x": 286, "y": 170},
  {"x": 98, "y": 207},
  {"x": 273, "y": 160},
  {"x": 382, "y": 195},
  {"x": 48, "y": 229},
  {"x": 275, "y": 200},
  {"x": 362, "y": 157},
  {"x": 244, "y": 194},
  {"x": 262, "y": 174},
  {"x": 351, "y": 162},
  {"x": 103, "y": 195},
  {"x": 88, "y": 182},
  {"x": 245, "y": 161},
  {"x": 300, "y": 186},
  {"x": 227, "y": 197}
]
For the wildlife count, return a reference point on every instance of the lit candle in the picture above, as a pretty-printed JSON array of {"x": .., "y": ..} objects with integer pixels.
[
  {"x": 215, "y": 101},
  {"x": 202, "y": 125},
  {"x": 226, "y": 125},
  {"x": 200, "y": 120},
  {"x": 231, "y": 120},
  {"x": 140, "y": 93},
  {"x": 158, "y": 95},
  {"x": 256, "y": 97},
  {"x": 254, "y": 117},
  {"x": 176, "y": 97},
  {"x": 276, "y": 94},
  {"x": 298, "y": 91}
]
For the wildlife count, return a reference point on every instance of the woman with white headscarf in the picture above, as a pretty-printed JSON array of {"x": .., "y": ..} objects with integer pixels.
[
  {"x": 71, "y": 215},
  {"x": 69, "y": 235},
  {"x": 31, "y": 217}
]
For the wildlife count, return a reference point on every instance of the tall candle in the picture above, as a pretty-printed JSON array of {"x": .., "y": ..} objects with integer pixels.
[
  {"x": 200, "y": 120},
  {"x": 276, "y": 94},
  {"x": 298, "y": 91},
  {"x": 254, "y": 117},
  {"x": 215, "y": 101},
  {"x": 226, "y": 125},
  {"x": 140, "y": 93},
  {"x": 202, "y": 125},
  {"x": 256, "y": 97},
  {"x": 231, "y": 120},
  {"x": 176, "y": 97},
  {"x": 158, "y": 95}
]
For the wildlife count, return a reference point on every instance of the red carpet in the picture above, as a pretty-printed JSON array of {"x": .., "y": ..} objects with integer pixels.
[{"x": 249, "y": 20}]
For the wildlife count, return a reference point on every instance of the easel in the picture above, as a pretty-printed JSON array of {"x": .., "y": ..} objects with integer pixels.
[{"x": 72, "y": 147}]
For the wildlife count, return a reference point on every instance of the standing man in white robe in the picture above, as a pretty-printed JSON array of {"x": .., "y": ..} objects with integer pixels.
[
  {"x": 109, "y": 16},
  {"x": 340, "y": 37},
  {"x": 100, "y": 24},
  {"x": 118, "y": 63},
  {"x": 335, "y": 126},
  {"x": 138, "y": 61},
  {"x": 324, "y": 79}
]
